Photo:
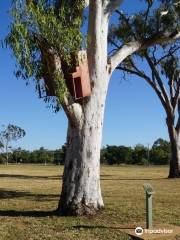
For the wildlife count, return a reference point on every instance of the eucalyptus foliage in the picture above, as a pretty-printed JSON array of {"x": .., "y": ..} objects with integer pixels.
[
  {"x": 158, "y": 17},
  {"x": 50, "y": 25},
  {"x": 11, "y": 133},
  {"x": 7, "y": 135}
]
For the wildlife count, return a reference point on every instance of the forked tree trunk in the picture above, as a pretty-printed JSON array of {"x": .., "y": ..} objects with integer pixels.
[{"x": 174, "y": 171}]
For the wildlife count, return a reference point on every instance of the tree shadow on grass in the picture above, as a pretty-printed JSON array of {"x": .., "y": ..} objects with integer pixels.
[
  {"x": 132, "y": 179},
  {"x": 100, "y": 226},
  {"x": 57, "y": 177},
  {"x": 9, "y": 194},
  {"x": 36, "y": 214}
]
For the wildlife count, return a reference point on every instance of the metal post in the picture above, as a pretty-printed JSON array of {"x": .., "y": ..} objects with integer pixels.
[
  {"x": 149, "y": 192},
  {"x": 148, "y": 210}
]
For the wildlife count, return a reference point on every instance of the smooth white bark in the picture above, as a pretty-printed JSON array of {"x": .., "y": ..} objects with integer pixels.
[
  {"x": 129, "y": 48},
  {"x": 123, "y": 53},
  {"x": 86, "y": 3},
  {"x": 111, "y": 5},
  {"x": 81, "y": 192}
]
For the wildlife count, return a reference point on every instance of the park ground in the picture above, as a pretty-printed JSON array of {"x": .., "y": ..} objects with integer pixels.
[{"x": 30, "y": 193}]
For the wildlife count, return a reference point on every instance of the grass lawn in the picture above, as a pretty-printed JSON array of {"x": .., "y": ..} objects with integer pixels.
[{"x": 29, "y": 194}]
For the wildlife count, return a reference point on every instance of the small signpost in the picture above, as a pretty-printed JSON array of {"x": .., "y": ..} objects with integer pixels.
[
  {"x": 159, "y": 231},
  {"x": 149, "y": 192}
]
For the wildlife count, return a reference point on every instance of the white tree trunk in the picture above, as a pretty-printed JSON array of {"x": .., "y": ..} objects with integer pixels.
[{"x": 81, "y": 191}]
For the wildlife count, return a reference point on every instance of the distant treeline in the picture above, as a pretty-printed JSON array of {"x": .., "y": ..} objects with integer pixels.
[
  {"x": 159, "y": 153},
  {"x": 40, "y": 156}
]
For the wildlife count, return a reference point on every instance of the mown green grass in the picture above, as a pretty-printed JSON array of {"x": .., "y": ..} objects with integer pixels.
[{"x": 29, "y": 194}]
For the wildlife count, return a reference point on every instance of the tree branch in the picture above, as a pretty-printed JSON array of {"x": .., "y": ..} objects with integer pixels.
[
  {"x": 86, "y": 3},
  {"x": 171, "y": 90},
  {"x": 113, "y": 42},
  {"x": 148, "y": 80},
  {"x": 73, "y": 110},
  {"x": 111, "y": 5},
  {"x": 176, "y": 97},
  {"x": 122, "y": 53},
  {"x": 122, "y": 15},
  {"x": 160, "y": 83},
  {"x": 125, "y": 69},
  {"x": 134, "y": 46},
  {"x": 178, "y": 121},
  {"x": 170, "y": 52}
]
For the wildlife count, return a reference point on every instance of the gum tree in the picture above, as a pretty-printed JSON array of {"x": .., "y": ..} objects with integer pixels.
[
  {"x": 45, "y": 38},
  {"x": 162, "y": 66},
  {"x": 7, "y": 135},
  {"x": 164, "y": 79}
]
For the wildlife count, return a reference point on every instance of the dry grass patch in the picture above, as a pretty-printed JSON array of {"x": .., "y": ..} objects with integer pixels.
[{"x": 30, "y": 193}]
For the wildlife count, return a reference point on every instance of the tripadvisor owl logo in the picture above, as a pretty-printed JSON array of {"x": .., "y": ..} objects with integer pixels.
[{"x": 139, "y": 231}]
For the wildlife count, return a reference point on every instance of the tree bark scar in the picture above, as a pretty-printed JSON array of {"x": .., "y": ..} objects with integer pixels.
[
  {"x": 92, "y": 84},
  {"x": 88, "y": 172},
  {"x": 89, "y": 153}
]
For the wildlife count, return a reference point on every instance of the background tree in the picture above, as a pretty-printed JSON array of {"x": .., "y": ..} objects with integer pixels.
[
  {"x": 163, "y": 63},
  {"x": 160, "y": 152},
  {"x": 9, "y": 134},
  {"x": 116, "y": 155},
  {"x": 16, "y": 155},
  {"x": 42, "y": 156},
  {"x": 140, "y": 155},
  {"x": 45, "y": 37},
  {"x": 164, "y": 79},
  {"x": 59, "y": 155},
  {"x": 23, "y": 156}
]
